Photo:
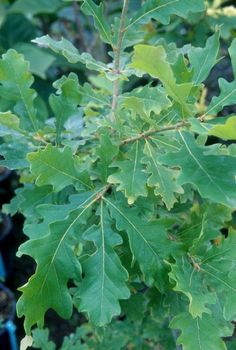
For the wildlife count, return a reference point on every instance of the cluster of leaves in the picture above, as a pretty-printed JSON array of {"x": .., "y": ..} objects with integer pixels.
[{"x": 123, "y": 197}]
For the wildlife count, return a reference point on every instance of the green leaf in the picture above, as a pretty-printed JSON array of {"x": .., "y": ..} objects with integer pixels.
[
  {"x": 203, "y": 59},
  {"x": 106, "y": 153},
  {"x": 71, "y": 53},
  {"x": 55, "y": 167},
  {"x": 189, "y": 281},
  {"x": 14, "y": 152},
  {"x": 226, "y": 131},
  {"x": 10, "y": 121},
  {"x": 204, "y": 225},
  {"x": 85, "y": 94},
  {"x": 206, "y": 172},
  {"x": 56, "y": 264},
  {"x": 218, "y": 266},
  {"x": 92, "y": 97},
  {"x": 161, "y": 178},
  {"x": 153, "y": 60},
  {"x": 225, "y": 98},
  {"x": 161, "y": 10},
  {"x": 199, "y": 333},
  {"x": 211, "y": 278},
  {"x": 145, "y": 100},
  {"x": 41, "y": 341},
  {"x": 31, "y": 8},
  {"x": 15, "y": 82},
  {"x": 103, "y": 287},
  {"x": 44, "y": 213},
  {"x": 232, "y": 52},
  {"x": 148, "y": 241},
  {"x": 131, "y": 177},
  {"x": 27, "y": 199},
  {"x": 65, "y": 104},
  {"x": 97, "y": 11},
  {"x": 39, "y": 60}
]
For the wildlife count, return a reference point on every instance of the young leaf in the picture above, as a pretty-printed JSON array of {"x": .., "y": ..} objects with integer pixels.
[
  {"x": 106, "y": 152},
  {"x": 161, "y": 177},
  {"x": 131, "y": 177},
  {"x": 10, "y": 121},
  {"x": 203, "y": 59},
  {"x": 199, "y": 333},
  {"x": 226, "y": 131},
  {"x": 145, "y": 100},
  {"x": 102, "y": 287},
  {"x": 56, "y": 264},
  {"x": 55, "y": 167},
  {"x": 91, "y": 9},
  {"x": 206, "y": 172},
  {"x": 65, "y": 105},
  {"x": 15, "y": 82},
  {"x": 153, "y": 60}
]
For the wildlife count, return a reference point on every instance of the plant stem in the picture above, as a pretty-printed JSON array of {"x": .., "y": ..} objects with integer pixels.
[
  {"x": 117, "y": 53},
  {"x": 155, "y": 131}
]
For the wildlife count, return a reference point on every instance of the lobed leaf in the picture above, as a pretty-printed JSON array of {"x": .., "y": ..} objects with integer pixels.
[
  {"x": 15, "y": 83},
  {"x": 206, "y": 172},
  {"x": 153, "y": 60},
  {"x": 226, "y": 131},
  {"x": 56, "y": 264},
  {"x": 199, "y": 333},
  {"x": 145, "y": 100},
  {"x": 55, "y": 167},
  {"x": 97, "y": 11},
  {"x": 103, "y": 287},
  {"x": 203, "y": 59},
  {"x": 71, "y": 53},
  {"x": 131, "y": 178},
  {"x": 148, "y": 241},
  {"x": 161, "y": 178}
]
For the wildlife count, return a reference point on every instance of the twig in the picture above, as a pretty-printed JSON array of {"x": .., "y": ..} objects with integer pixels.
[
  {"x": 155, "y": 131},
  {"x": 101, "y": 194},
  {"x": 117, "y": 53},
  {"x": 195, "y": 265}
]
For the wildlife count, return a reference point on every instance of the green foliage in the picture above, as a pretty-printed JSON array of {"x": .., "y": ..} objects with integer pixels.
[{"x": 123, "y": 197}]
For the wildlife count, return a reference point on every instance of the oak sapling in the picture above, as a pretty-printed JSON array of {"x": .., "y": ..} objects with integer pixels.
[{"x": 129, "y": 208}]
